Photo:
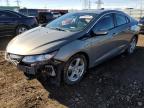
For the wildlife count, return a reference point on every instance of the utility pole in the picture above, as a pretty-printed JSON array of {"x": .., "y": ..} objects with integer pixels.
[
  {"x": 99, "y": 3},
  {"x": 7, "y": 2},
  {"x": 18, "y": 2},
  {"x": 89, "y": 7},
  {"x": 85, "y": 4},
  {"x": 141, "y": 8}
]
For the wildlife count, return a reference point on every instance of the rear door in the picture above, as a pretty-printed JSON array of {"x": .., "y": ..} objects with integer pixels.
[
  {"x": 8, "y": 22},
  {"x": 123, "y": 30}
]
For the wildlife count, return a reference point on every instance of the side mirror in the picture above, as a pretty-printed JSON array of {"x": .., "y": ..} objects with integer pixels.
[{"x": 100, "y": 32}]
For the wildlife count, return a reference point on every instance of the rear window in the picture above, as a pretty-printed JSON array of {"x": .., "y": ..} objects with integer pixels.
[
  {"x": 45, "y": 14},
  {"x": 49, "y": 14}
]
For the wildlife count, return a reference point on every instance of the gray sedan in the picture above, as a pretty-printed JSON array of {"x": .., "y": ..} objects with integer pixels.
[{"x": 68, "y": 46}]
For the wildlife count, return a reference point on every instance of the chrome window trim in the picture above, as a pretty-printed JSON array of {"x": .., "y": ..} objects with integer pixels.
[{"x": 102, "y": 17}]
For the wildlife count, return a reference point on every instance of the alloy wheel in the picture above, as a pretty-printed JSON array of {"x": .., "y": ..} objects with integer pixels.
[
  {"x": 21, "y": 30},
  {"x": 76, "y": 69}
]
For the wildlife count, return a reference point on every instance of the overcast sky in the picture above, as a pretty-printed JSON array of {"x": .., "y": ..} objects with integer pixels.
[{"x": 73, "y": 4}]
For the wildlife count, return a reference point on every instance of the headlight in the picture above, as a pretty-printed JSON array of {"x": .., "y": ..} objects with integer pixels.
[{"x": 38, "y": 58}]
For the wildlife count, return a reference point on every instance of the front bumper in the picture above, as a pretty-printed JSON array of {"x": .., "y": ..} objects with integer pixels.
[
  {"x": 28, "y": 70},
  {"x": 49, "y": 68}
]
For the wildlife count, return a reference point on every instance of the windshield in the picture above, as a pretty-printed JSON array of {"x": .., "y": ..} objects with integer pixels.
[{"x": 72, "y": 21}]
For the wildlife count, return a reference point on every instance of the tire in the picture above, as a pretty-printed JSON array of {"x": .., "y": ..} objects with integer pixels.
[
  {"x": 74, "y": 69},
  {"x": 20, "y": 29},
  {"x": 132, "y": 46}
]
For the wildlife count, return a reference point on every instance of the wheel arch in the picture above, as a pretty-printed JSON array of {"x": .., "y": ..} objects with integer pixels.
[
  {"x": 63, "y": 74},
  {"x": 22, "y": 25},
  {"x": 85, "y": 54},
  {"x": 136, "y": 35},
  {"x": 19, "y": 25}
]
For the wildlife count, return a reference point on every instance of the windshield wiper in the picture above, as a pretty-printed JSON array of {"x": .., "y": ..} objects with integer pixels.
[{"x": 58, "y": 28}]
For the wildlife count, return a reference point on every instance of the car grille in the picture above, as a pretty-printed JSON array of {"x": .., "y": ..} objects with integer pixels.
[{"x": 13, "y": 58}]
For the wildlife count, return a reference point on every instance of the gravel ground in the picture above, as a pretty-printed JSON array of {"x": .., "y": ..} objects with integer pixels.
[{"x": 117, "y": 83}]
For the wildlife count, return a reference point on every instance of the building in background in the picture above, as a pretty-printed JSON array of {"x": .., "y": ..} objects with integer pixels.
[
  {"x": 136, "y": 13},
  {"x": 34, "y": 12}
]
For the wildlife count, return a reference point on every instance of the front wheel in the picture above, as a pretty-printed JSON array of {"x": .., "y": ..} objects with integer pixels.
[
  {"x": 132, "y": 45},
  {"x": 74, "y": 69}
]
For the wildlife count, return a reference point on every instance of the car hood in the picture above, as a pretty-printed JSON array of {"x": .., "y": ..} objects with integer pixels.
[{"x": 39, "y": 40}]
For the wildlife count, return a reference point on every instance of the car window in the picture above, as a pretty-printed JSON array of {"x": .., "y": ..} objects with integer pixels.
[
  {"x": 120, "y": 19},
  {"x": 56, "y": 14},
  {"x": 49, "y": 15},
  {"x": 106, "y": 23},
  {"x": 7, "y": 15},
  {"x": 2, "y": 14}
]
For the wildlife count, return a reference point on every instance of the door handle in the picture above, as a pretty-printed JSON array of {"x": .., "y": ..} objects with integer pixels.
[{"x": 114, "y": 34}]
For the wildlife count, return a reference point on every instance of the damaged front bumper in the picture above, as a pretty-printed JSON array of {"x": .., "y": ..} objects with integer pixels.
[
  {"x": 49, "y": 68},
  {"x": 52, "y": 67}
]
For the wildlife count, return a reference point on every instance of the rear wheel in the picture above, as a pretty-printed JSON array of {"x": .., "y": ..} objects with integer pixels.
[
  {"x": 132, "y": 45},
  {"x": 74, "y": 69},
  {"x": 21, "y": 29}
]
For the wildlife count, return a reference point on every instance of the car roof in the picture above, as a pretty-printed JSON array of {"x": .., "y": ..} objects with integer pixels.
[
  {"x": 4, "y": 10},
  {"x": 99, "y": 11}
]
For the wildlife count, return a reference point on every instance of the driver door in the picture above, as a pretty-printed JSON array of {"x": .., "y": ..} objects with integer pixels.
[{"x": 103, "y": 45}]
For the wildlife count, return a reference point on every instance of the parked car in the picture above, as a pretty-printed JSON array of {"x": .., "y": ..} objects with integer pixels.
[
  {"x": 141, "y": 24},
  {"x": 56, "y": 14},
  {"x": 13, "y": 23},
  {"x": 45, "y": 17},
  {"x": 69, "y": 45}
]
